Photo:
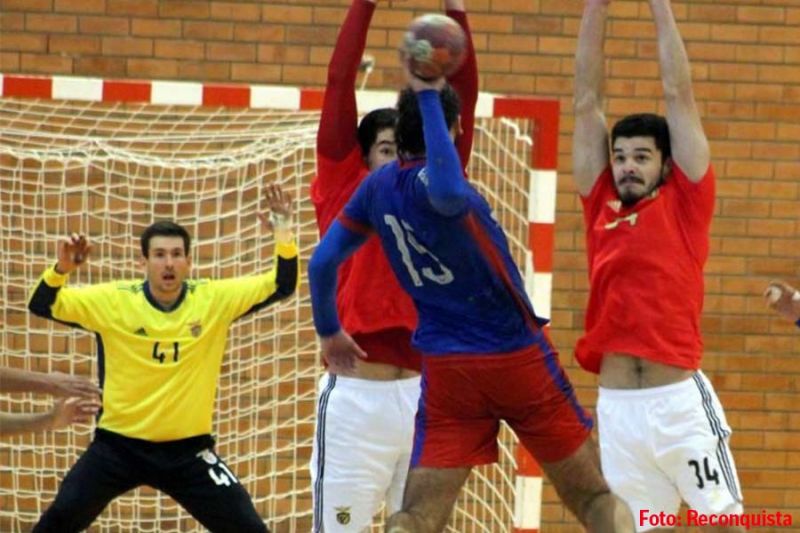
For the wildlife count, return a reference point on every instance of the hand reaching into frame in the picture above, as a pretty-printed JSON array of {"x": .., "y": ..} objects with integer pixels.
[
  {"x": 281, "y": 210},
  {"x": 73, "y": 251},
  {"x": 341, "y": 352},
  {"x": 66, "y": 385},
  {"x": 416, "y": 83},
  {"x": 784, "y": 299},
  {"x": 70, "y": 410}
]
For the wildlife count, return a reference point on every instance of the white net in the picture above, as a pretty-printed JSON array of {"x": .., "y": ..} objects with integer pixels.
[{"x": 109, "y": 170}]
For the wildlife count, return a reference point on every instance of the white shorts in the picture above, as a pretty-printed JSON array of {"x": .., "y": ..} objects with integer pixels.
[
  {"x": 362, "y": 449},
  {"x": 663, "y": 444}
]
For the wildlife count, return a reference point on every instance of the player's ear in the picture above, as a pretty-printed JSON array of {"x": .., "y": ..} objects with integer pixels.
[
  {"x": 141, "y": 263},
  {"x": 666, "y": 168},
  {"x": 456, "y": 129}
]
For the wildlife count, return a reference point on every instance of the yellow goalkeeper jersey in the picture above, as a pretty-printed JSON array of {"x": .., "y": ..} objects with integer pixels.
[{"x": 159, "y": 368}]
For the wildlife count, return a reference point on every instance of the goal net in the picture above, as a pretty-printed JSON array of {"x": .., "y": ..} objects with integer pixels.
[{"x": 109, "y": 170}]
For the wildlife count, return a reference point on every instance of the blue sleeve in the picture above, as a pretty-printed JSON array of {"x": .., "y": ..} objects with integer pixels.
[
  {"x": 355, "y": 214},
  {"x": 336, "y": 246},
  {"x": 798, "y": 322},
  {"x": 447, "y": 187}
]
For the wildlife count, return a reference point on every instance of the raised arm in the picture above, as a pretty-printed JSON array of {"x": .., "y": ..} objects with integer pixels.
[
  {"x": 465, "y": 83},
  {"x": 447, "y": 188},
  {"x": 279, "y": 222},
  {"x": 240, "y": 296},
  {"x": 689, "y": 144},
  {"x": 51, "y": 299},
  {"x": 454, "y": 5},
  {"x": 590, "y": 138},
  {"x": 338, "y": 123}
]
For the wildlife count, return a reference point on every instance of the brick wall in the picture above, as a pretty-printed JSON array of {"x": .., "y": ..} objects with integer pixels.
[{"x": 746, "y": 65}]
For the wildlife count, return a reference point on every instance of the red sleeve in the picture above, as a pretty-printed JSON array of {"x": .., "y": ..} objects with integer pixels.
[
  {"x": 338, "y": 124},
  {"x": 697, "y": 202},
  {"x": 465, "y": 83},
  {"x": 334, "y": 184},
  {"x": 602, "y": 190}
]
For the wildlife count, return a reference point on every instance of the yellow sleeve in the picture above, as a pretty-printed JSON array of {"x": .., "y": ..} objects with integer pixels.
[
  {"x": 78, "y": 307},
  {"x": 236, "y": 297}
]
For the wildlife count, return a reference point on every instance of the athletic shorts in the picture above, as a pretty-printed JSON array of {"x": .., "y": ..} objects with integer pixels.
[
  {"x": 464, "y": 398},
  {"x": 188, "y": 470},
  {"x": 361, "y": 451},
  {"x": 663, "y": 444}
]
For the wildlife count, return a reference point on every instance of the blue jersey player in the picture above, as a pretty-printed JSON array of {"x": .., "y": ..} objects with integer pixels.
[{"x": 486, "y": 357}]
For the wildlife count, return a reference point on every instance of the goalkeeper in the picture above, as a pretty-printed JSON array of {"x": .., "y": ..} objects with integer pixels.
[{"x": 160, "y": 343}]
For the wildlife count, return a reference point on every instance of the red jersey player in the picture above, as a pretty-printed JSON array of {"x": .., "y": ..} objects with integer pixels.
[
  {"x": 365, "y": 419},
  {"x": 663, "y": 434}
]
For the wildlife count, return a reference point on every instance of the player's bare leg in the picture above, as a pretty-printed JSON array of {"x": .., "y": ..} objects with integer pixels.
[
  {"x": 428, "y": 500},
  {"x": 581, "y": 486}
]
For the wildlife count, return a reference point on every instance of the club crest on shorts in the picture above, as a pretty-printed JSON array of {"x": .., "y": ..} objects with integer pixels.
[
  {"x": 208, "y": 456},
  {"x": 195, "y": 328},
  {"x": 343, "y": 515}
]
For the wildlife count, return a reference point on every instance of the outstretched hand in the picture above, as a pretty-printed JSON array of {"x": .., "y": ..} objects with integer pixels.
[
  {"x": 416, "y": 83},
  {"x": 784, "y": 299},
  {"x": 341, "y": 352},
  {"x": 66, "y": 385},
  {"x": 73, "y": 251},
  {"x": 281, "y": 209},
  {"x": 70, "y": 410}
]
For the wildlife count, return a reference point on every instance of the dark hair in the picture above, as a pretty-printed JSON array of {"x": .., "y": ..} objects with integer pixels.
[
  {"x": 408, "y": 134},
  {"x": 164, "y": 228},
  {"x": 373, "y": 123},
  {"x": 644, "y": 125}
]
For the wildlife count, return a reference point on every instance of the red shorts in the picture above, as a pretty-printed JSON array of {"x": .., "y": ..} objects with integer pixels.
[{"x": 464, "y": 397}]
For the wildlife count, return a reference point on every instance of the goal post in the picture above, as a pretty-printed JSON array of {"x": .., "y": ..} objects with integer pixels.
[{"x": 108, "y": 157}]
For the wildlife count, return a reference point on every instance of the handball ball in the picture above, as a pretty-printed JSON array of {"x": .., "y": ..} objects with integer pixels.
[{"x": 435, "y": 46}]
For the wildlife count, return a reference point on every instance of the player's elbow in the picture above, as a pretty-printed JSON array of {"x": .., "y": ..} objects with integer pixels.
[
  {"x": 586, "y": 102},
  {"x": 40, "y": 301},
  {"x": 317, "y": 266},
  {"x": 339, "y": 77},
  {"x": 449, "y": 204},
  {"x": 286, "y": 277},
  {"x": 37, "y": 309},
  {"x": 448, "y": 196},
  {"x": 678, "y": 89}
]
